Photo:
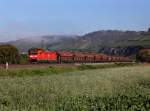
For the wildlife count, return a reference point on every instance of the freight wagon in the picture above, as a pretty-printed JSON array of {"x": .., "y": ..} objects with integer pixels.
[{"x": 40, "y": 55}]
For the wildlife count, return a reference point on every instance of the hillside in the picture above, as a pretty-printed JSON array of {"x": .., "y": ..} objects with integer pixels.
[
  {"x": 44, "y": 41},
  {"x": 102, "y": 41}
]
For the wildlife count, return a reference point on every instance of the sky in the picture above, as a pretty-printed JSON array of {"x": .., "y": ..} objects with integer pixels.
[{"x": 26, "y": 18}]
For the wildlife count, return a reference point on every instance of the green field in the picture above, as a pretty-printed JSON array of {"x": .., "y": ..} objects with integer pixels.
[{"x": 119, "y": 88}]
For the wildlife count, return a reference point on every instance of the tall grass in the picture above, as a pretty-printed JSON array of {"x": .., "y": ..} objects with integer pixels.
[{"x": 126, "y": 88}]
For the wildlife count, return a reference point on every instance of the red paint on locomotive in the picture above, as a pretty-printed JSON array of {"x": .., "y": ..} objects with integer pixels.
[{"x": 39, "y": 55}]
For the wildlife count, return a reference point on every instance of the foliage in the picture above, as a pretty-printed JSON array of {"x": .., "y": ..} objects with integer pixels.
[
  {"x": 24, "y": 59},
  {"x": 144, "y": 55},
  {"x": 9, "y": 53}
]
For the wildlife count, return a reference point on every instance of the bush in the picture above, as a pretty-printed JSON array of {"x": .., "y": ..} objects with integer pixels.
[
  {"x": 9, "y": 53},
  {"x": 24, "y": 59}
]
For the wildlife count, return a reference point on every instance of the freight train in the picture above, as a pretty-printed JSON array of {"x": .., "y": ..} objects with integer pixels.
[{"x": 38, "y": 55}]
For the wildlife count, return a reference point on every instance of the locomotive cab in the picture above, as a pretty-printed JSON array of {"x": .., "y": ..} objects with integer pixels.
[
  {"x": 42, "y": 56},
  {"x": 33, "y": 54}
]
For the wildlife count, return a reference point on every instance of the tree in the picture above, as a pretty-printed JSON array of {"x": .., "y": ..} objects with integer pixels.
[{"x": 9, "y": 53}]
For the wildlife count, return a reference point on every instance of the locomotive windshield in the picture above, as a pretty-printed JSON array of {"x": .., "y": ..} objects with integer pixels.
[{"x": 35, "y": 51}]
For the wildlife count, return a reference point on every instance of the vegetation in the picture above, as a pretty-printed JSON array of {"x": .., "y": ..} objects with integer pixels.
[
  {"x": 124, "y": 88},
  {"x": 9, "y": 53},
  {"x": 24, "y": 59},
  {"x": 58, "y": 70},
  {"x": 144, "y": 55}
]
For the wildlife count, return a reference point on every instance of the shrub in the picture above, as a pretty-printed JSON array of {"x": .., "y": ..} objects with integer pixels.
[
  {"x": 23, "y": 59},
  {"x": 9, "y": 53}
]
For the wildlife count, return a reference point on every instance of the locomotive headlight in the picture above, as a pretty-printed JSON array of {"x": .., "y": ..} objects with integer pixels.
[{"x": 33, "y": 56}]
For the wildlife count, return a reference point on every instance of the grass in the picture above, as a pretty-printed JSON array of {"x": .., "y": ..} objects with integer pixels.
[
  {"x": 106, "y": 89},
  {"x": 57, "y": 70}
]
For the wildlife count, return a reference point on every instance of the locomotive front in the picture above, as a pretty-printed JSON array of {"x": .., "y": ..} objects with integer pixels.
[{"x": 33, "y": 54}]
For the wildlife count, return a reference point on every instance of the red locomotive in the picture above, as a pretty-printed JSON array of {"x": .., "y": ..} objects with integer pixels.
[{"x": 40, "y": 55}]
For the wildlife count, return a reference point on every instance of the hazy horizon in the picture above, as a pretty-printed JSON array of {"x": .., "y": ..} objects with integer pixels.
[{"x": 25, "y": 18}]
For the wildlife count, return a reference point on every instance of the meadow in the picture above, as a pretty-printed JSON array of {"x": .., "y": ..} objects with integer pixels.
[{"x": 84, "y": 88}]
